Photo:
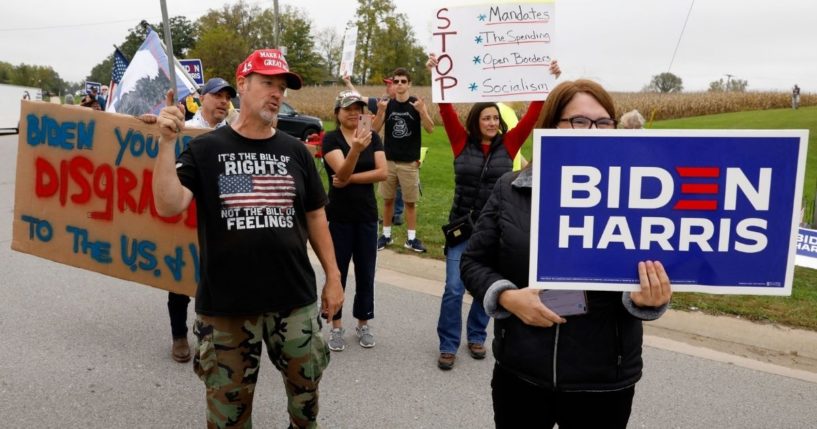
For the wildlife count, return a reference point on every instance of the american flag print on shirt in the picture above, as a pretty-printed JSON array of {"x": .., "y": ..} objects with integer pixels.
[{"x": 245, "y": 190}]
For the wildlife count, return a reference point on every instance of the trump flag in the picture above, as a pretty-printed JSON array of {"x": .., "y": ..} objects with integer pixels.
[{"x": 145, "y": 82}]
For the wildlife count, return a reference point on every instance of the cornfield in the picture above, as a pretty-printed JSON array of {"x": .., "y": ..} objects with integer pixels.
[{"x": 318, "y": 101}]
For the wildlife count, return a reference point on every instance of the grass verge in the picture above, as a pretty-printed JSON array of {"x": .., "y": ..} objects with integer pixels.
[{"x": 799, "y": 310}]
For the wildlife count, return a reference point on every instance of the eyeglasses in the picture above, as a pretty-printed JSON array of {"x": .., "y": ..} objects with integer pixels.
[
  {"x": 583, "y": 122},
  {"x": 400, "y": 81}
]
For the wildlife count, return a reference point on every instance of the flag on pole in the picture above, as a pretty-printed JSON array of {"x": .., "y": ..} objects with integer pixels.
[{"x": 143, "y": 85}]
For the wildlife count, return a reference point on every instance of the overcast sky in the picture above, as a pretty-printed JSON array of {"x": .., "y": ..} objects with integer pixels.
[{"x": 772, "y": 44}]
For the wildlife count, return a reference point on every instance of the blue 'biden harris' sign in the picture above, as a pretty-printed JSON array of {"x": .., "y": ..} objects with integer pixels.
[{"x": 718, "y": 208}]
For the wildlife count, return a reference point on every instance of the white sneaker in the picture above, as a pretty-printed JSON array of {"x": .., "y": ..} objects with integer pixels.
[
  {"x": 336, "y": 342},
  {"x": 365, "y": 336}
]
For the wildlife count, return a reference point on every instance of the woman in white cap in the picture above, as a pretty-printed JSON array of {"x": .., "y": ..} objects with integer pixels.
[{"x": 354, "y": 161}]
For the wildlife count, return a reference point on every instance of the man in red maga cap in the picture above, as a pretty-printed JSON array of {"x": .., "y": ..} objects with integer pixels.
[{"x": 259, "y": 199}]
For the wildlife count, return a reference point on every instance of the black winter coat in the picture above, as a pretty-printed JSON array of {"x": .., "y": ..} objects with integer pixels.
[
  {"x": 597, "y": 351},
  {"x": 475, "y": 176}
]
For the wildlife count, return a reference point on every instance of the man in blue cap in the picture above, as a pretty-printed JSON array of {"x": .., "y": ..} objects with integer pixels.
[{"x": 215, "y": 104}]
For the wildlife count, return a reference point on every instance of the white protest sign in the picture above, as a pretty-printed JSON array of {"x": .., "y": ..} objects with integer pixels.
[
  {"x": 347, "y": 59},
  {"x": 493, "y": 52}
]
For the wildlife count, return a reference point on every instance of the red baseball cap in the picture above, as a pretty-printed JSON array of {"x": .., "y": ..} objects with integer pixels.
[{"x": 269, "y": 62}]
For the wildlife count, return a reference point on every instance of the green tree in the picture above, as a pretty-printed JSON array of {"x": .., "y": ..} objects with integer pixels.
[
  {"x": 370, "y": 13},
  {"x": 329, "y": 45},
  {"x": 717, "y": 86},
  {"x": 101, "y": 72},
  {"x": 737, "y": 85},
  {"x": 665, "y": 82},
  {"x": 296, "y": 36},
  {"x": 220, "y": 49},
  {"x": 6, "y": 72},
  {"x": 227, "y": 35},
  {"x": 731, "y": 85},
  {"x": 385, "y": 41},
  {"x": 183, "y": 31},
  {"x": 73, "y": 87},
  {"x": 238, "y": 17},
  {"x": 43, "y": 77},
  {"x": 394, "y": 46}
]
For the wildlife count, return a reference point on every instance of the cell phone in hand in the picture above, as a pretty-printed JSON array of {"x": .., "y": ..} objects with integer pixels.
[
  {"x": 364, "y": 124},
  {"x": 564, "y": 302}
]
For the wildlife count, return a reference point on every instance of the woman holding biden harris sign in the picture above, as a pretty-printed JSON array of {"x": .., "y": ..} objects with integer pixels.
[
  {"x": 590, "y": 381},
  {"x": 484, "y": 150}
]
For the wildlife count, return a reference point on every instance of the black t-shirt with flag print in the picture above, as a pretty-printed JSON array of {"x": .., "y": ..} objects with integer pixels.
[{"x": 252, "y": 197}]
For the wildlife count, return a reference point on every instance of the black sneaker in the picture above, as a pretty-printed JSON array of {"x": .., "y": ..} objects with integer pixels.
[
  {"x": 383, "y": 241},
  {"x": 415, "y": 245}
]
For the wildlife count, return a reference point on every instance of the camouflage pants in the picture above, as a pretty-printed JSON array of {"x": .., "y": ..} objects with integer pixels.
[{"x": 228, "y": 356}]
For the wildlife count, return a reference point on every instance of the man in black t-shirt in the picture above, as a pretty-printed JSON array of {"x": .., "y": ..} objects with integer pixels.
[
  {"x": 259, "y": 199},
  {"x": 403, "y": 116}
]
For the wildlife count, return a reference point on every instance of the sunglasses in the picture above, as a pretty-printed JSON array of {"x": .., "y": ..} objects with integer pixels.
[{"x": 400, "y": 81}]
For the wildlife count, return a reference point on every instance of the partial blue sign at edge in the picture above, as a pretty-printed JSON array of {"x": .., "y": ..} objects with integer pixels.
[
  {"x": 706, "y": 244},
  {"x": 194, "y": 69},
  {"x": 93, "y": 85},
  {"x": 806, "y": 248}
]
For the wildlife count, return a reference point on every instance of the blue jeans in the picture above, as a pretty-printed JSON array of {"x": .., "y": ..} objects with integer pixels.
[{"x": 449, "y": 326}]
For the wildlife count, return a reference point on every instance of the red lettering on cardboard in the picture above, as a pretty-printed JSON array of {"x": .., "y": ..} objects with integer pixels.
[{"x": 84, "y": 183}]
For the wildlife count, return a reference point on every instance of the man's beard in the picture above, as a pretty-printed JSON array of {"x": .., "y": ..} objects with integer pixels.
[
  {"x": 267, "y": 116},
  {"x": 218, "y": 116}
]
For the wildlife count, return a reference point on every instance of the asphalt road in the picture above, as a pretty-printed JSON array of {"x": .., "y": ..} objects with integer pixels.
[{"x": 79, "y": 349}]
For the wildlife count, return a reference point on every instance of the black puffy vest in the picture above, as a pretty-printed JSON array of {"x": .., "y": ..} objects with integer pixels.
[{"x": 475, "y": 176}]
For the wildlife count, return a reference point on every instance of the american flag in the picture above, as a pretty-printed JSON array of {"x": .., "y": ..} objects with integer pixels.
[
  {"x": 120, "y": 64},
  {"x": 244, "y": 190}
]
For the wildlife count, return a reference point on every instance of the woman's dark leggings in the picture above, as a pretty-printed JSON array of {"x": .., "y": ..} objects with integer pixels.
[
  {"x": 357, "y": 241},
  {"x": 177, "y": 307}
]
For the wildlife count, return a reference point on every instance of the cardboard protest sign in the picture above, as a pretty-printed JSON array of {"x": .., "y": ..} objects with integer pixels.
[
  {"x": 719, "y": 209},
  {"x": 806, "y": 248},
  {"x": 493, "y": 52},
  {"x": 83, "y": 197}
]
